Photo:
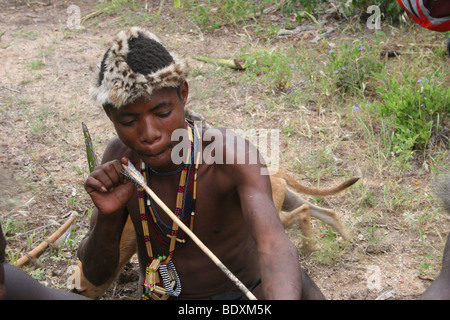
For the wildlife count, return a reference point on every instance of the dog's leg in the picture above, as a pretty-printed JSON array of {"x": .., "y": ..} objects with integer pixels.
[
  {"x": 328, "y": 216},
  {"x": 127, "y": 250},
  {"x": 279, "y": 188},
  {"x": 302, "y": 215}
]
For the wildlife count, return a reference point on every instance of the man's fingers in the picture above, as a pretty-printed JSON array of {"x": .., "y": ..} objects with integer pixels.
[
  {"x": 124, "y": 161},
  {"x": 113, "y": 171},
  {"x": 94, "y": 185},
  {"x": 105, "y": 177}
]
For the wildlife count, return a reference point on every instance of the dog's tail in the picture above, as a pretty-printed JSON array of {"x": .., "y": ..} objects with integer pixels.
[{"x": 314, "y": 191}]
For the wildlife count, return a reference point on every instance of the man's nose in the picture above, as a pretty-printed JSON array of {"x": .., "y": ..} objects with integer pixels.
[{"x": 149, "y": 131}]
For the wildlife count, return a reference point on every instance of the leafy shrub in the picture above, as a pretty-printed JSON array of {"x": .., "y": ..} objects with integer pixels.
[
  {"x": 390, "y": 9},
  {"x": 351, "y": 66},
  {"x": 275, "y": 68},
  {"x": 414, "y": 113},
  {"x": 116, "y": 6},
  {"x": 211, "y": 14}
]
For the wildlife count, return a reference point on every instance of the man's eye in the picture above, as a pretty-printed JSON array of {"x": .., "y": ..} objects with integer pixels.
[
  {"x": 128, "y": 123},
  {"x": 165, "y": 114}
]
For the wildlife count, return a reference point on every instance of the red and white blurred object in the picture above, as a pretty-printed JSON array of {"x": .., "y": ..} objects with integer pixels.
[{"x": 430, "y": 14}]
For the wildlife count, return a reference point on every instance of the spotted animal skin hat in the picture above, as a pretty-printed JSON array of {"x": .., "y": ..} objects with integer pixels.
[{"x": 135, "y": 64}]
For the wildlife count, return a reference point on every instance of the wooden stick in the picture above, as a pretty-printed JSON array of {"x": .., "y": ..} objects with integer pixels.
[
  {"x": 93, "y": 14},
  {"x": 44, "y": 245},
  {"x": 10, "y": 89},
  {"x": 199, "y": 243}
]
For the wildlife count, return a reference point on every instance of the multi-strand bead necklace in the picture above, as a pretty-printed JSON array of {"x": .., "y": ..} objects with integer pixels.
[{"x": 161, "y": 279}]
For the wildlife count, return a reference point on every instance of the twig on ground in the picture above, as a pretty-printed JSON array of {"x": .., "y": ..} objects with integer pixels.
[
  {"x": 46, "y": 243},
  {"x": 230, "y": 63}
]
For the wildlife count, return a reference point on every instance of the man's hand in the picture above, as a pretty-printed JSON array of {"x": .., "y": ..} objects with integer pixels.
[{"x": 108, "y": 187}]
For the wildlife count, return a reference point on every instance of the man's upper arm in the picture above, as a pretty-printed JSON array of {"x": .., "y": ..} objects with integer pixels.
[
  {"x": 115, "y": 150},
  {"x": 255, "y": 193}
]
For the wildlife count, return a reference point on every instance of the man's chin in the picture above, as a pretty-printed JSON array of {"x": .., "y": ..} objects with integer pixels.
[{"x": 161, "y": 162}]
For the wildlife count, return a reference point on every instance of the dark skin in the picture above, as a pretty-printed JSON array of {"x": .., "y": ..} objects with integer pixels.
[
  {"x": 15, "y": 284},
  {"x": 2, "y": 259},
  {"x": 440, "y": 288},
  {"x": 235, "y": 216}
]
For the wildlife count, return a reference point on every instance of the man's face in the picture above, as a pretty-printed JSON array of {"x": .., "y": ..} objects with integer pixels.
[
  {"x": 146, "y": 125},
  {"x": 2, "y": 258}
]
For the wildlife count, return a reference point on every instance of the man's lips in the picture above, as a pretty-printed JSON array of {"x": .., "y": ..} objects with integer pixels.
[{"x": 156, "y": 156}]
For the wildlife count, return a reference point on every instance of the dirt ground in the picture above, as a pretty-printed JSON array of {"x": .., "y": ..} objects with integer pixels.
[{"x": 46, "y": 69}]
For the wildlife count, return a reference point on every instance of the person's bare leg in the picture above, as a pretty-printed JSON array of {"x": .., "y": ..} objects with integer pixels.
[
  {"x": 310, "y": 291},
  {"x": 440, "y": 288},
  {"x": 20, "y": 286}
]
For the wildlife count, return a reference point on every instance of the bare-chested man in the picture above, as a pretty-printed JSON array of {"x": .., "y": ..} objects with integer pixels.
[{"x": 143, "y": 90}]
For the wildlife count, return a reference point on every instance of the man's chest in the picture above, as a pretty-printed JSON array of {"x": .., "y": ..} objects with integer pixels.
[{"x": 205, "y": 207}]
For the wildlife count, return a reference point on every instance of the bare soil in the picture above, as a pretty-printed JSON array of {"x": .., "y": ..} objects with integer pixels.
[{"x": 46, "y": 70}]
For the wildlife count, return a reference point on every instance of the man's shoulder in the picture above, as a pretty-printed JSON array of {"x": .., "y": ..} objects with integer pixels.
[
  {"x": 221, "y": 145},
  {"x": 233, "y": 152},
  {"x": 115, "y": 143},
  {"x": 228, "y": 138},
  {"x": 116, "y": 150}
]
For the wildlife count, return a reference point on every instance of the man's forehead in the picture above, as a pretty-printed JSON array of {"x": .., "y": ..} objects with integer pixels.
[
  {"x": 159, "y": 98},
  {"x": 143, "y": 106}
]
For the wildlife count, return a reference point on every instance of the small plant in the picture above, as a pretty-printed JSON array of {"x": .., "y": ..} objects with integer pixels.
[
  {"x": 30, "y": 236},
  {"x": 368, "y": 199},
  {"x": 330, "y": 250},
  {"x": 116, "y": 6},
  {"x": 424, "y": 267},
  {"x": 37, "y": 122},
  {"x": 414, "y": 113},
  {"x": 389, "y": 9},
  {"x": 213, "y": 14},
  {"x": 12, "y": 256},
  {"x": 372, "y": 237},
  {"x": 35, "y": 65},
  {"x": 274, "y": 67},
  {"x": 10, "y": 226},
  {"x": 350, "y": 68},
  {"x": 205, "y": 20},
  {"x": 37, "y": 274}
]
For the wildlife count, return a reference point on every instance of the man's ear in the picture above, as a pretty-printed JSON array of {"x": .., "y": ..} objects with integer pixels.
[{"x": 184, "y": 92}]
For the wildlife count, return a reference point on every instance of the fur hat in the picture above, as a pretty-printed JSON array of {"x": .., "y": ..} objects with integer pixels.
[{"x": 121, "y": 80}]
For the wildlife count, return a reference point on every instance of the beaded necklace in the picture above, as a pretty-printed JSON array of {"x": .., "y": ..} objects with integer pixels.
[{"x": 162, "y": 267}]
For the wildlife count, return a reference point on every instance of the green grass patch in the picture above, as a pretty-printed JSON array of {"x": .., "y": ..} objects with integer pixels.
[
  {"x": 414, "y": 113},
  {"x": 350, "y": 68},
  {"x": 275, "y": 68}
]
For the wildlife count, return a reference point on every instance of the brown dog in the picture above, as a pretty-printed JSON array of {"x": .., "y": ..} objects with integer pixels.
[
  {"x": 284, "y": 199},
  {"x": 301, "y": 210}
]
